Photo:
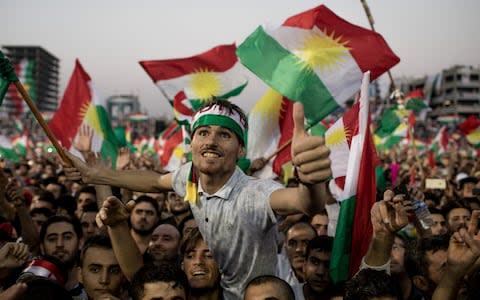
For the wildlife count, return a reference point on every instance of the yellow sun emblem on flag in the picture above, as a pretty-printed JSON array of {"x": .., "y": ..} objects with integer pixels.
[
  {"x": 322, "y": 50},
  {"x": 337, "y": 137},
  {"x": 205, "y": 85}
]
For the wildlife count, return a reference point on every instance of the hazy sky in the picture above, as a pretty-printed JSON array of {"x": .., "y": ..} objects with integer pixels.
[{"x": 111, "y": 36}]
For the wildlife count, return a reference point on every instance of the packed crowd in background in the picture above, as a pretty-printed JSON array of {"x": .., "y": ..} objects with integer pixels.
[{"x": 62, "y": 238}]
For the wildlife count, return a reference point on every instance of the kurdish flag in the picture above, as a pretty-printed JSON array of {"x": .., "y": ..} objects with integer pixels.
[
  {"x": 270, "y": 126},
  {"x": 171, "y": 147},
  {"x": 24, "y": 69},
  {"x": 439, "y": 143},
  {"x": 316, "y": 58},
  {"x": 189, "y": 82},
  {"x": 353, "y": 158},
  {"x": 390, "y": 120},
  {"x": 82, "y": 106},
  {"x": 387, "y": 142},
  {"x": 415, "y": 100},
  {"x": 7, "y": 150},
  {"x": 471, "y": 129}
]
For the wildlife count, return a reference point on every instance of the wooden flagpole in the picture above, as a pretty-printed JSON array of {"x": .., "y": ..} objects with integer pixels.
[{"x": 41, "y": 121}]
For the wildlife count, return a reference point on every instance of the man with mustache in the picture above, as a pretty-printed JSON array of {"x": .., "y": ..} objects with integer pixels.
[
  {"x": 236, "y": 214},
  {"x": 143, "y": 219},
  {"x": 60, "y": 237}
]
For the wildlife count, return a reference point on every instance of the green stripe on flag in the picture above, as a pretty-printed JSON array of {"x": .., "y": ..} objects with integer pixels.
[
  {"x": 7, "y": 75},
  {"x": 287, "y": 74},
  {"x": 342, "y": 243},
  {"x": 110, "y": 143},
  {"x": 3, "y": 89},
  {"x": 388, "y": 123}
]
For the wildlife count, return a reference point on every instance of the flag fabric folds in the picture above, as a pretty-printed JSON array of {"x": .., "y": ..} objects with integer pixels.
[
  {"x": 471, "y": 129},
  {"x": 415, "y": 100},
  {"x": 81, "y": 105},
  {"x": 189, "y": 82},
  {"x": 316, "y": 58},
  {"x": 270, "y": 126},
  {"x": 171, "y": 147},
  {"x": 353, "y": 158}
]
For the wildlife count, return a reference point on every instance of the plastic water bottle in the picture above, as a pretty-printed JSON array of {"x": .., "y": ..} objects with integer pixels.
[{"x": 423, "y": 215}]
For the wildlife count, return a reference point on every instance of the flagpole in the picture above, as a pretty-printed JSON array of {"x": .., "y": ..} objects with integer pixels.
[
  {"x": 371, "y": 22},
  {"x": 41, "y": 121}
]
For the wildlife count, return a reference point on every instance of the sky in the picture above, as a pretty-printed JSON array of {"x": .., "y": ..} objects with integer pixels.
[{"x": 111, "y": 36}]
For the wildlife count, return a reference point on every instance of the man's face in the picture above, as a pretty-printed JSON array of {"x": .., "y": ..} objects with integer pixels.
[
  {"x": 100, "y": 273},
  {"x": 458, "y": 218},
  {"x": 437, "y": 261},
  {"x": 200, "y": 267},
  {"x": 84, "y": 199},
  {"x": 55, "y": 189},
  {"x": 164, "y": 291},
  {"x": 89, "y": 226},
  {"x": 264, "y": 291},
  {"x": 143, "y": 218},
  {"x": 467, "y": 190},
  {"x": 296, "y": 242},
  {"x": 397, "y": 256},
  {"x": 61, "y": 241},
  {"x": 164, "y": 242},
  {"x": 188, "y": 226},
  {"x": 440, "y": 225},
  {"x": 320, "y": 223},
  {"x": 215, "y": 150},
  {"x": 38, "y": 220},
  {"x": 161, "y": 198},
  {"x": 176, "y": 205},
  {"x": 316, "y": 270}
]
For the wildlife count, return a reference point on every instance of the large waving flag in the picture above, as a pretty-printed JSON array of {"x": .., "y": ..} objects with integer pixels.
[
  {"x": 270, "y": 126},
  {"x": 353, "y": 159},
  {"x": 81, "y": 105},
  {"x": 189, "y": 82},
  {"x": 316, "y": 58}
]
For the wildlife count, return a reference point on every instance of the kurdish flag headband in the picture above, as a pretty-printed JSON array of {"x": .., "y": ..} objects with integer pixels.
[{"x": 220, "y": 116}]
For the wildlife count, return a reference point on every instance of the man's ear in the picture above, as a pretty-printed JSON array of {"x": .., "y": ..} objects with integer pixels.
[
  {"x": 241, "y": 152},
  {"x": 420, "y": 282},
  {"x": 79, "y": 275}
]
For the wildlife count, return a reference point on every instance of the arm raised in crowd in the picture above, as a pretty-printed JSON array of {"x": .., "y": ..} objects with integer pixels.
[
  {"x": 387, "y": 217},
  {"x": 463, "y": 251},
  {"x": 115, "y": 215},
  {"x": 135, "y": 180},
  {"x": 310, "y": 158}
]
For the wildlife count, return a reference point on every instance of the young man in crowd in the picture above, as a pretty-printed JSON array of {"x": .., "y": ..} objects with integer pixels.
[
  {"x": 225, "y": 202},
  {"x": 98, "y": 269},
  {"x": 200, "y": 268},
  {"x": 143, "y": 220},
  {"x": 268, "y": 287},
  {"x": 60, "y": 237}
]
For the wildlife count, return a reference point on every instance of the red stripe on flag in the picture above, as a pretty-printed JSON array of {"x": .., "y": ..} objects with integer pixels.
[
  {"x": 75, "y": 101},
  {"x": 218, "y": 59},
  {"x": 361, "y": 41},
  {"x": 286, "y": 132}
]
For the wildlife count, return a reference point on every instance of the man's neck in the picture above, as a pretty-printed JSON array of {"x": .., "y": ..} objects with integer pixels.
[
  {"x": 205, "y": 294},
  {"x": 405, "y": 284},
  {"x": 213, "y": 183},
  {"x": 310, "y": 294},
  {"x": 141, "y": 240}
]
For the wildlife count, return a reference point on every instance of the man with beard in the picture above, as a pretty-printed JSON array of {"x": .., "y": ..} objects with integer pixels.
[
  {"x": 164, "y": 244},
  {"x": 60, "y": 237},
  {"x": 143, "y": 219},
  {"x": 177, "y": 207},
  {"x": 201, "y": 269}
]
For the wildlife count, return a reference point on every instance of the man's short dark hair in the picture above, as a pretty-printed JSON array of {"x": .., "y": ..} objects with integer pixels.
[
  {"x": 279, "y": 284},
  {"x": 416, "y": 262},
  {"x": 190, "y": 240},
  {"x": 162, "y": 272},
  {"x": 86, "y": 189},
  {"x": 41, "y": 211},
  {"x": 368, "y": 284},
  {"x": 48, "y": 197},
  {"x": 148, "y": 199},
  {"x": 451, "y": 206},
  {"x": 322, "y": 243},
  {"x": 97, "y": 241},
  {"x": 43, "y": 288},
  {"x": 57, "y": 219}
]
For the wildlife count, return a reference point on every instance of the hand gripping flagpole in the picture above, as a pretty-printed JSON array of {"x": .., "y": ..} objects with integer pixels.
[{"x": 7, "y": 69}]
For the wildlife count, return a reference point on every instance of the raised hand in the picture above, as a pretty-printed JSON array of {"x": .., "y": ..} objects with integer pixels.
[
  {"x": 13, "y": 255},
  {"x": 309, "y": 153},
  {"x": 123, "y": 158},
  {"x": 114, "y": 212},
  {"x": 389, "y": 215},
  {"x": 83, "y": 143},
  {"x": 79, "y": 170}
]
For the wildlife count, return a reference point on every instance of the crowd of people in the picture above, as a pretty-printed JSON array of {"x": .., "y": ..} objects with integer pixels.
[{"x": 82, "y": 230}]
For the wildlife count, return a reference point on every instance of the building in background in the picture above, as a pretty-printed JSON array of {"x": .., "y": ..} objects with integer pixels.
[
  {"x": 119, "y": 107},
  {"x": 38, "y": 70}
]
